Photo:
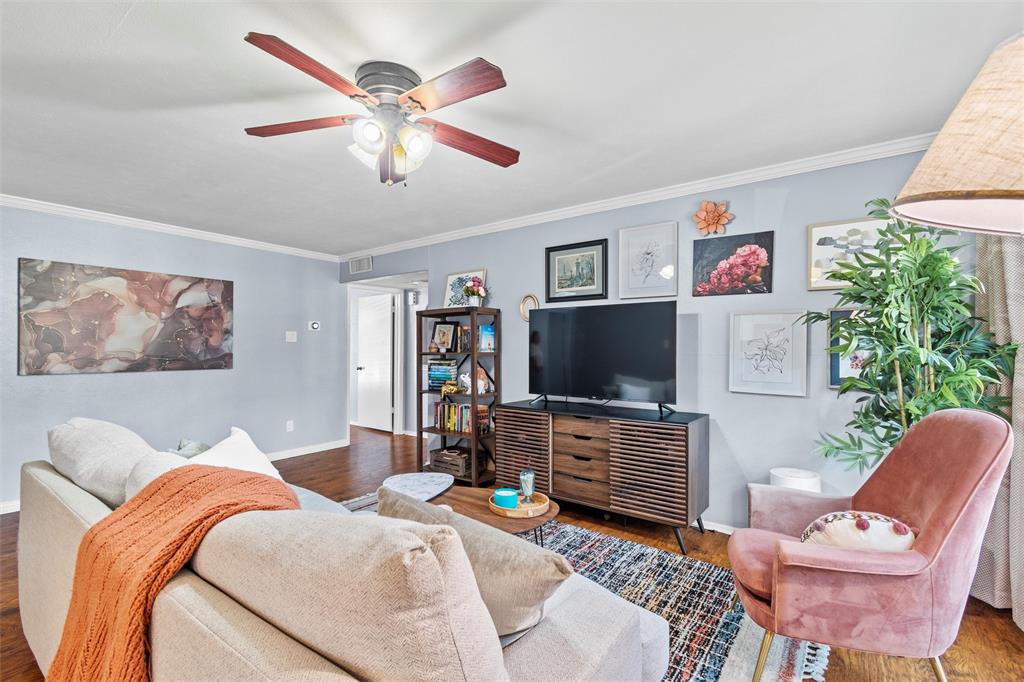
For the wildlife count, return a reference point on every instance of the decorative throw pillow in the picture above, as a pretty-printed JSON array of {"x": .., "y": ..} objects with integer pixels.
[
  {"x": 515, "y": 577},
  {"x": 860, "y": 530},
  {"x": 190, "y": 448},
  {"x": 385, "y": 599},
  {"x": 237, "y": 451},
  {"x": 97, "y": 455}
]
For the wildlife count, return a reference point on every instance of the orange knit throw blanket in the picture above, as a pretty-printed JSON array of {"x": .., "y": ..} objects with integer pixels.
[{"x": 126, "y": 559}]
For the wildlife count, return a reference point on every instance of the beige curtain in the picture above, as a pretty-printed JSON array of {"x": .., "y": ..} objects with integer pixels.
[{"x": 1000, "y": 577}]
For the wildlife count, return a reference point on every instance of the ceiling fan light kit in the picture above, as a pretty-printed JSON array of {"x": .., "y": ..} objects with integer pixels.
[{"x": 394, "y": 138}]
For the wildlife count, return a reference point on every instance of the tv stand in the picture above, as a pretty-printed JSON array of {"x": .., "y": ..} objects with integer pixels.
[{"x": 649, "y": 464}]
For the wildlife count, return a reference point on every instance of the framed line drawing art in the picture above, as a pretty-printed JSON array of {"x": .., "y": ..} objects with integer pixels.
[
  {"x": 576, "y": 272},
  {"x": 648, "y": 257},
  {"x": 829, "y": 244},
  {"x": 768, "y": 353}
]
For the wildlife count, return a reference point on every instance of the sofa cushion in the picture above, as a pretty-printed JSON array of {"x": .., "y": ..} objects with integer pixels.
[
  {"x": 751, "y": 555},
  {"x": 383, "y": 598},
  {"x": 97, "y": 455},
  {"x": 515, "y": 577}
]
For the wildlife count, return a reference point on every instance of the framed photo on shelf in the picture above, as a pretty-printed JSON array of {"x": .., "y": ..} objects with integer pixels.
[
  {"x": 829, "y": 244},
  {"x": 453, "y": 294},
  {"x": 576, "y": 272},
  {"x": 768, "y": 353},
  {"x": 647, "y": 261},
  {"x": 839, "y": 367},
  {"x": 444, "y": 335}
]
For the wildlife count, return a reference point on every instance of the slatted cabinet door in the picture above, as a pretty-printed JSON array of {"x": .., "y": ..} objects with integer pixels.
[
  {"x": 523, "y": 441},
  {"x": 648, "y": 471}
]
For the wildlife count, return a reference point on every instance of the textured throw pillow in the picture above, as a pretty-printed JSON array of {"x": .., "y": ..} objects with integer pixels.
[
  {"x": 385, "y": 599},
  {"x": 860, "y": 530},
  {"x": 97, "y": 455},
  {"x": 190, "y": 448},
  {"x": 149, "y": 468},
  {"x": 515, "y": 577}
]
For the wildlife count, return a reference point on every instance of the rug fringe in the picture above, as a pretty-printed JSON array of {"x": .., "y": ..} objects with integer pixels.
[{"x": 816, "y": 661}]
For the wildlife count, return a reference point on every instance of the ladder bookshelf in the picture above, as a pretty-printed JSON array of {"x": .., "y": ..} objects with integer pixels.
[{"x": 478, "y": 442}]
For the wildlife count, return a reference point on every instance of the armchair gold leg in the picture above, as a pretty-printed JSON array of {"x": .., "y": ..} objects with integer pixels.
[
  {"x": 940, "y": 674},
  {"x": 766, "y": 644}
]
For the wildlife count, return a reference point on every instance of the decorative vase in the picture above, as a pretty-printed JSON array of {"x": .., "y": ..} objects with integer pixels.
[
  {"x": 474, "y": 301},
  {"x": 526, "y": 485}
]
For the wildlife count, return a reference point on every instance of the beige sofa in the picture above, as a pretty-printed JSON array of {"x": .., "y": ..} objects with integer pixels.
[{"x": 200, "y": 633}]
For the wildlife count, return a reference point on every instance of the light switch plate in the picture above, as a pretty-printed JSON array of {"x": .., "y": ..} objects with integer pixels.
[
  {"x": 291, "y": 337},
  {"x": 289, "y": 426}
]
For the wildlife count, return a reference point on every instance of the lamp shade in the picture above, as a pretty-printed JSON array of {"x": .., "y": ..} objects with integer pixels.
[{"x": 972, "y": 176}]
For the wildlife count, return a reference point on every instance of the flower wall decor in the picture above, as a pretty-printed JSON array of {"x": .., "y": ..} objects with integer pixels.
[{"x": 711, "y": 217}]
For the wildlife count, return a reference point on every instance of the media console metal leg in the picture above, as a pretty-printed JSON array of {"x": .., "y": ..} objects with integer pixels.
[
  {"x": 679, "y": 538},
  {"x": 700, "y": 524}
]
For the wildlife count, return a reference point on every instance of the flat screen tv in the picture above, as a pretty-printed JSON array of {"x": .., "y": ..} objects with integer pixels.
[{"x": 606, "y": 352}]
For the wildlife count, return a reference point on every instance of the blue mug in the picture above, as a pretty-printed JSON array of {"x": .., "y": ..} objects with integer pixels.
[{"x": 507, "y": 498}]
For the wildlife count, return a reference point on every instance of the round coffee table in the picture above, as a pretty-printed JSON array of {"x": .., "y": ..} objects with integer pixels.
[{"x": 472, "y": 502}]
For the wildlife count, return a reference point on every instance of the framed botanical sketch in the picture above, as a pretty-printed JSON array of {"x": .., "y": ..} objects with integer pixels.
[
  {"x": 647, "y": 261},
  {"x": 453, "y": 294},
  {"x": 576, "y": 272},
  {"x": 737, "y": 264},
  {"x": 829, "y": 244},
  {"x": 768, "y": 353},
  {"x": 839, "y": 367}
]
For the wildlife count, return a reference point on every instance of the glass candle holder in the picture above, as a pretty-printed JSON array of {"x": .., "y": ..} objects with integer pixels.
[{"x": 526, "y": 483}]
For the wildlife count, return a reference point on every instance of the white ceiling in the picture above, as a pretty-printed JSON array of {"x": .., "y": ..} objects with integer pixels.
[{"x": 138, "y": 108}]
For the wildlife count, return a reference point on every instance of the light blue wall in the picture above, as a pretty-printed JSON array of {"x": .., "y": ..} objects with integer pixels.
[
  {"x": 750, "y": 433},
  {"x": 271, "y": 381}
]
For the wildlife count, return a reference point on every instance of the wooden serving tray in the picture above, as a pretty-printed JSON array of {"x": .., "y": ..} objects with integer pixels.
[{"x": 540, "y": 505}]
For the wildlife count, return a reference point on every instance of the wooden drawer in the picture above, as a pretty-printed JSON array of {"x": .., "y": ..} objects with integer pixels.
[
  {"x": 577, "y": 465},
  {"x": 581, "y": 489},
  {"x": 580, "y": 445},
  {"x": 581, "y": 426}
]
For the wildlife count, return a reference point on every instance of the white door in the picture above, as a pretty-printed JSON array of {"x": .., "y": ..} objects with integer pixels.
[{"x": 374, "y": 362}]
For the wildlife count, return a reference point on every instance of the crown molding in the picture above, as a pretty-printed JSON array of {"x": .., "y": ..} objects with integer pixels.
[
  {"x": 138, "y": 223},
  {"x": 869, "y": 152}
]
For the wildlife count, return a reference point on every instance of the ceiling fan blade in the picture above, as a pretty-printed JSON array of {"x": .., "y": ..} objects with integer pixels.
[
  {"x": 481, "y": 147},
  {"x": 302, "y": 126},
  {"x": 473, "y": 78},
  {"x": 303, "y": 62}
]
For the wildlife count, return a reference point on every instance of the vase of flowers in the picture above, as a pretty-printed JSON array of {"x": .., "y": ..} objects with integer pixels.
[{"x": 474, "y": 292}]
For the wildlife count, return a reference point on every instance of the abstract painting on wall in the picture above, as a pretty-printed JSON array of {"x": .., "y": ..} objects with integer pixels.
[
  {"x": 737, "y": 264},
  {"x": 79, "y": 319},
  {"x": 829, "y": 244}
]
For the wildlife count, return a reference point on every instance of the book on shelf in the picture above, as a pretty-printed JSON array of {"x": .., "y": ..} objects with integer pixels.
[
  {"x": 458, "y": 417},
  {"x": 486, "y": 334},
  {"x": 440, "y": 371}
]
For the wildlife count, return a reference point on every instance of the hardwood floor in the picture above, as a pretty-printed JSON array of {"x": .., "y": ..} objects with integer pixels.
[{"x": 989, "y": 647}]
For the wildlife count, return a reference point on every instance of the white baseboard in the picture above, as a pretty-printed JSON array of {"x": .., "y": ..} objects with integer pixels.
[
  {"x": 10, "y": 506},
  {"x": 719, "y": 527},
  {"x": 307, "y": 449},
  {"x": 426, "y": 436}
]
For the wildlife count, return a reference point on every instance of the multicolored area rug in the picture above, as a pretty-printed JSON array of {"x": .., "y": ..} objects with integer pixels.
[{"x": 709, "y": 642}]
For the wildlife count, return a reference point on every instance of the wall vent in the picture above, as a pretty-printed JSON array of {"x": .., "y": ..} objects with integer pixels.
[{"x": 360, "y": 265}]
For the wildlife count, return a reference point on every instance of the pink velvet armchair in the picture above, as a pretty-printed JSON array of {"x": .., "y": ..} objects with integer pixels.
[{"x": 941, "y": 478}]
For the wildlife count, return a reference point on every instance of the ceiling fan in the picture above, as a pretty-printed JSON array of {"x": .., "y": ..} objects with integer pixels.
[{"x": 394, "y": 138}]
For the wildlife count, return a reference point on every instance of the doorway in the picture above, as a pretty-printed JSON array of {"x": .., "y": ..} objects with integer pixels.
[{"x": 382, "y": 316}]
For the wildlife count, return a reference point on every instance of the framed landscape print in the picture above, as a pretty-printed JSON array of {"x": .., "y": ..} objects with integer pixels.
[
  {"x": 839, "y": 367},
  {"x": 647, "y": 261},
  {"x": 737, "y": 264},
  {"x": 768, "y": 353},
  {"x": 453, "y": 294},
  {"x": 577, "y": 272},
  {"x": 829, "y": 244},
  {"x": 89, "y": 319}
]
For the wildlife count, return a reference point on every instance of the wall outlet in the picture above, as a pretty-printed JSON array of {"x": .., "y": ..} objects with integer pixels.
[
  {"x": 313, "y": 326},
  {"x": 291, "y": 337},
  {"x": 289, "y": 426}
]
